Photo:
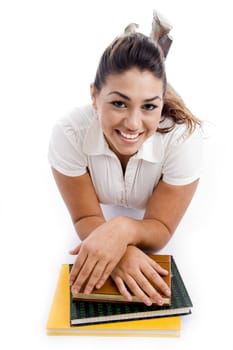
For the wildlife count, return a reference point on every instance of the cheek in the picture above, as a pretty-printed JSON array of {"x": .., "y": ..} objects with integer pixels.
[
  {"x": 108, "y": 119},
  {"x": 105, "y": 121},
  {"x": 154, "y": 123},
  {"x": 153, "y": 127}
]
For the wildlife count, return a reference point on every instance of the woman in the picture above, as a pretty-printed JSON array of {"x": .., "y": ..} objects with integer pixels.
[{"x": 136, "y": 146}]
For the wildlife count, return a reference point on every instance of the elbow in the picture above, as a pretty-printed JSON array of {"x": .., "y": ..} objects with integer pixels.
[{"x": 163, "y": 234}]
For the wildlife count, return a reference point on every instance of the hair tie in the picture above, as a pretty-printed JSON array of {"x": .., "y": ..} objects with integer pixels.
[{"x": 131, "y": 28}]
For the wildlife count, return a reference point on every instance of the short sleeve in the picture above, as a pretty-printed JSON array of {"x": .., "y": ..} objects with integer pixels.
[
  {"x": 65, "y": 150},
  {"x": 183, "y": 158}
]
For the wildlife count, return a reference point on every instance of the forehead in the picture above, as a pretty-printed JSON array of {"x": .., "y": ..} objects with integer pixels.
[{"x": 144, "y": 82}]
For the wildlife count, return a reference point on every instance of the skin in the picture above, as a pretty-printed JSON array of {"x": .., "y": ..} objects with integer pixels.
[
  {"x": 130, "y": 103},
  {"x": 129, "y": 108}
]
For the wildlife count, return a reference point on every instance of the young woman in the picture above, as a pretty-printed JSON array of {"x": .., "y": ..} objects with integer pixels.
[{"x": 135, "y": 146}]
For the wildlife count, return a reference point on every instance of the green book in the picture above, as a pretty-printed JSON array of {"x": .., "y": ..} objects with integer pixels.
[{"x": 89, "y": 312}]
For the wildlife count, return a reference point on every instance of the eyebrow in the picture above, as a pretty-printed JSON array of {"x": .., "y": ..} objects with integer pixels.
[{"x": 128, "y": 98}]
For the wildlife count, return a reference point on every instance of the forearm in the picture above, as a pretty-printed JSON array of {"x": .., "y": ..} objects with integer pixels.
[
  {"x": 147, "y": 234},
  {"x": 164, "y": 211},
  {"x": 86, "y": 225}
]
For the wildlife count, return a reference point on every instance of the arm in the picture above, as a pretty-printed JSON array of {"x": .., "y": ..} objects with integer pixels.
[
  {"x": 80, "y": 198},
  {"x": 165, "y": 209},
  {"x": 94, "y": 262}
]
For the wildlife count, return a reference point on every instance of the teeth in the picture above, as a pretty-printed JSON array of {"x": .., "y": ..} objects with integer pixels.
[{"x": 129, "y": 136}]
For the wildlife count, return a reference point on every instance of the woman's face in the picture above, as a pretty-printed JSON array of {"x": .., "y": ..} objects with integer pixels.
[{"x": 129, "y": 109}]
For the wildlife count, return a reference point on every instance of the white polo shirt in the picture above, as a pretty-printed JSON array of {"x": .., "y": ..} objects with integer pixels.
[{"x": 78, "y": 145}]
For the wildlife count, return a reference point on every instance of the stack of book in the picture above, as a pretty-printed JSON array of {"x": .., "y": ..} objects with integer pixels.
[{"x": 105, "y": 312}]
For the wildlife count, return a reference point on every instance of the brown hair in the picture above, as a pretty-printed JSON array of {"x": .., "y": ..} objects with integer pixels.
[{"x": 140, "y": 51}]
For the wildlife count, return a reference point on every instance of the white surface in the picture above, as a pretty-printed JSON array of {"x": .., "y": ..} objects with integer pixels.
[{"x": 49, "y": 52}]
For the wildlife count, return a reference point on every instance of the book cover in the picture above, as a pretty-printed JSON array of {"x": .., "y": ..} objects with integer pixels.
[
  {"x": 89, "y": 312},
  {"x": 109, "y": 292},
  {"x": 58, "y": 322}
]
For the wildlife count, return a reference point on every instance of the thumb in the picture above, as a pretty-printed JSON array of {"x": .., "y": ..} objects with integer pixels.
[{"x": 76, "y": 250}]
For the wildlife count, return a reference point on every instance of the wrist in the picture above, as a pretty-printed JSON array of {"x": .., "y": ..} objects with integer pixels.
[{"x": 127, "y": 228}]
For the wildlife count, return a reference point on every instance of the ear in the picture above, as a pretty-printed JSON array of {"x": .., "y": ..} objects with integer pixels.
[{"x": 93, "y": 95}]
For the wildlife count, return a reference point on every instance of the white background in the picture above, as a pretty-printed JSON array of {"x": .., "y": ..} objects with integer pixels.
[{"x": 49, "y": 52}]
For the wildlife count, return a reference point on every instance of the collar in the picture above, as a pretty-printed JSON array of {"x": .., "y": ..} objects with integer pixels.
[
  {"x": 95, "y": 144},
  {"x": 94, "y": 141},
  {"x": 152, "y": 150}
]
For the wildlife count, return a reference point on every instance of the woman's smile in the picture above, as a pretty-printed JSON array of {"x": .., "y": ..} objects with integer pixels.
[{"x": 128, "y": 137}]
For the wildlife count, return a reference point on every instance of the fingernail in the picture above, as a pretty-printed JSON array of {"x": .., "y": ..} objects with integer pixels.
[
  {"x": 74, "y": 291},
  {"x": 167, "y": 292},
  {"x": 160, "y": 302},
  {"x": 148, "y": 302},
  {"x": 87, "y": 291}
]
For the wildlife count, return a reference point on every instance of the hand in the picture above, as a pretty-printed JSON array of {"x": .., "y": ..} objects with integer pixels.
[
  {"x": 137, "y": 271},
  {"x": 97, "y": 256}
]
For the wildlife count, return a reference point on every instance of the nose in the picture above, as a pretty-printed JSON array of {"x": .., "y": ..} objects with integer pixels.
[{"x": 133, "y": 120}]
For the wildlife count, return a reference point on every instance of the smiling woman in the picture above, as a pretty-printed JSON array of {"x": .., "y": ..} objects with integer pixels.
[{"x": 137, "y": 146}]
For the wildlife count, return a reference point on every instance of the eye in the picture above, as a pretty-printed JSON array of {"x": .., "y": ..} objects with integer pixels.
[
  {"x": 118, "y": 104},
  {"x": 149, "y": 107}
]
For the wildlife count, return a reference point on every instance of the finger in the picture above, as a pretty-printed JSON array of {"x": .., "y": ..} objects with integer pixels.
[
  {"x": 107, "y": 272},
  {"x": 83, "y": 275},
  {"x": 136, "y": 290},
  {"x": 157, "y": 281},
  {"x": 149, "y": 290},
  {"x": 158, "y": 267},
  {"x": 122, "y": 288},
  {"x": 76, "y": 250},
  {"x": 95, "y": 275},
  {"x": 77, "y": 267}
]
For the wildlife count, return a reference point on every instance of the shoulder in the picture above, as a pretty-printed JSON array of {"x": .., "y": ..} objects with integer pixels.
[
  {"x": 73, "y": 126},
  {"x": 180, "y": 133},
  {"x": 182, "y": 155},
  {"x": 178, "y": 140},
  {"x": 78, "y": 119},
  {"x": 66, "y": 142}
]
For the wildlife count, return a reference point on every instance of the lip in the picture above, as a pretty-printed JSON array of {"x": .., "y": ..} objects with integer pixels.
[{"x": 130, "y": 139}]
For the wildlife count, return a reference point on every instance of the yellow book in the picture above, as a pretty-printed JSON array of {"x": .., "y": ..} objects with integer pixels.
[{"x": 59, "y": 319}]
